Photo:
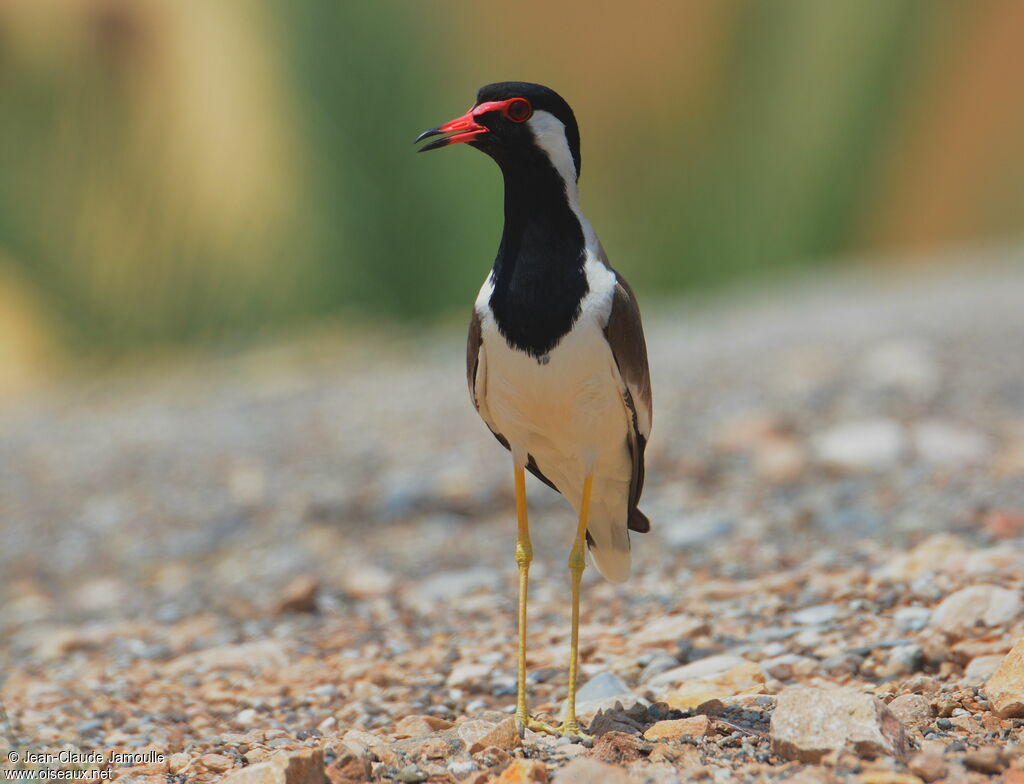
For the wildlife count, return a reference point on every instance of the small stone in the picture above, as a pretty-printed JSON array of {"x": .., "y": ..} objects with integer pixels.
[
  {"x": 523, "y": 771},
  {"x": 912, "y": 708},
  {"x": 504, "y": 735},
  {"x": 864, "y": 445},
  {"x": 216, "y": 763},
  {"x": 904, "y": 364},
  {"x": 300, "y": 767},
  {"x": 788, "y": 666},
  {"x": 781, "y": 460},
  {"x": 673, "y": 729},
  {"x": 902, "y": 660},
  {"x": 617, "y": 748},
  {"x": 178, "y": 761},
  {"x": 981, "y": 668},
  {"x": 928, "y": 762},
  {"x": 299, "y": 596},
  {"x": 247, "y": 717},
  {"x": 912, "y": 619},
  {"x": 749, "y": 431},
  {"x": 260, "y": 655},
  {"x": 410, "y": 774},
  {"x": 462, "y": 766},
  {"x": 602, "y": 693},
  {"x": 660, "y": 662},
  {"x": 445, "y": 586},
  {"x": 590, "y": 771},
  {"x": 1005, "y": 689},
  {"x": 668, "y": 630},
  {"x": 815, "y": 616},
  {"x": 468, "y": 675},
  {"x": 469, "y": 732},
  {"x": 976, "y": 605},
  {"x": 1003, "y": 523},
  {"x": 810, "y": 723},
  {"x": 360, "y": 742},
  {"x": 746, "y": 678},
  {"x": 943, "y": 443},
  {"x": 927, "y": 557},
  {"x": 349, "y": 769},
  {"x": 701, "y": 668},
  {"x": 987, "y": 759},
  {"x": 418, "y": 726},
  {"x": 367, "y": 582}
]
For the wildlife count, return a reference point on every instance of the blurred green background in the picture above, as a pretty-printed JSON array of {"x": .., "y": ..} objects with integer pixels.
[{"x": 185, "y": 171}]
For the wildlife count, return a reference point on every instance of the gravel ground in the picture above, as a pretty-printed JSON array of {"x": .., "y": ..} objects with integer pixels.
[{"x": 311, "y": 547}]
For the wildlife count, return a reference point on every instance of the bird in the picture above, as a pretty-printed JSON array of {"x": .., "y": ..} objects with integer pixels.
[{"x": 556, "y": 359}]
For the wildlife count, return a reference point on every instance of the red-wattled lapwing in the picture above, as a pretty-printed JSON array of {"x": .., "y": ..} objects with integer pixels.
[{"x": 556, "y": 361}]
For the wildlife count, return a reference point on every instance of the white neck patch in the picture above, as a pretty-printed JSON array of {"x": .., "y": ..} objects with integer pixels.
[{"x": 549, "y": 133}]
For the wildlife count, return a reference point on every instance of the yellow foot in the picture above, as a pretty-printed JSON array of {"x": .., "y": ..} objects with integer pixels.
[{"x": 571, "y": 730}]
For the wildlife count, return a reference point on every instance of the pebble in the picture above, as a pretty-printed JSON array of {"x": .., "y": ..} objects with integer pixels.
[
  {"x": 410, "y": 774},
  {"x": 904, "y": 364},
  {"x": 603, "y": 692},
  {"x": 976, "y": 606},
  {"x": 590, "y": 771},
  {"x": 367, "y": 582},
  {"x": 912, "y": 619},
  {"x": 701, "y": 668},
  {"x": 816, "y": 616},
  {"x": 746, "y": 678},
  {"x": 696, "y": 531},
  {"x": 981, "y": 668},
  {"x": 809, "y": 723},
  {"x": 862, "y": 445},
  {"x": 902, "y": 660},
  {"x": 943, "y": 443},
  {"x": 1005, "y": 689},
  {"x": 928, "y": 762},
  {"x": 673, "y": 729},
  {"x": 216, "y": 763},
  {"x": 445, "y": 586},
  {"x": 660, "y": 662},
  {"x": 668, "y": 630},
  {"x": 300, "y": 767},
  {"x": 912, "y": 708},
  {"x": 299, "y": 596}
]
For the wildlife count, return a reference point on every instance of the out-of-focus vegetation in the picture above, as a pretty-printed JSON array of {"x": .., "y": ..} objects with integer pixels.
[{"x": 177, "y": 170}]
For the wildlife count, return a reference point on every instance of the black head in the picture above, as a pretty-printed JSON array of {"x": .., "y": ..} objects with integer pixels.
[{"x": 517, "y": 124}]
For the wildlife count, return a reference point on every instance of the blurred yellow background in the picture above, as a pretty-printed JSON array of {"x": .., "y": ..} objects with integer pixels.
[{"x": 184, "y": 171}]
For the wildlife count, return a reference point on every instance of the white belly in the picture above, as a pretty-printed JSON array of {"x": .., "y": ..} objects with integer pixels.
[{"x": 568, "y": 413}]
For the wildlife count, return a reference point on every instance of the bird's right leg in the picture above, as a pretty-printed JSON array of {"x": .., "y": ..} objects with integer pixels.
[{"x": 524, "y": 555}]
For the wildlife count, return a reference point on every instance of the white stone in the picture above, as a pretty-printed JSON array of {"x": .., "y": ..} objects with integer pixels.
[
  {"x": 944, "y": 443},
  {"x": 976, "y": 605},
  {"x": 861, "y": 445}
]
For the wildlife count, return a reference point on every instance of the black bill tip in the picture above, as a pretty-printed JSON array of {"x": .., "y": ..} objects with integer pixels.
[
  {"x": 437, "y": 144},
  {"x": 427, "y": 135}
]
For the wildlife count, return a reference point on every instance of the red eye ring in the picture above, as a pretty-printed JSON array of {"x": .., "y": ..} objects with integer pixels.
[{"x": 518, "y": 110}]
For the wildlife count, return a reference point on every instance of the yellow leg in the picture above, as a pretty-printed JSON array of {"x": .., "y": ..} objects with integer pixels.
[
  {"x": 524, "y": 555},
  {"x": 577, "y": 563}
]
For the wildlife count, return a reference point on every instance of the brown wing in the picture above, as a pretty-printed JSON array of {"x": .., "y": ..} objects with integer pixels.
[
  {"x": 473, "y": 348},
  {"x": 625, "y": 334}
]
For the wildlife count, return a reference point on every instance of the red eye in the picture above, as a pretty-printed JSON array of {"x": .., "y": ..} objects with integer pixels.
[{"x": 518, "y": 110}]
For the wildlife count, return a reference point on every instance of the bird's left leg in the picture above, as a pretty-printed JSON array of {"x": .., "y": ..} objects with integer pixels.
[
  {"x": 524, "y": 556},
  {"x": 577, "y": 563}
]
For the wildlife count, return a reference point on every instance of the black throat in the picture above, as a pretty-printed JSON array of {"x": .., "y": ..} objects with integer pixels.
[{"x": 539, "y": 279}]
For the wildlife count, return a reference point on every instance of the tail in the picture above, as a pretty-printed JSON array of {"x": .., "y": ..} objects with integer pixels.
[{"x": 608, "y": 541}]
